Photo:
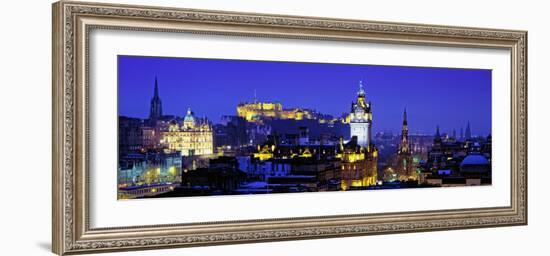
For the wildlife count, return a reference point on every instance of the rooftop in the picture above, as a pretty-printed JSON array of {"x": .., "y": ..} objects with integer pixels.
[{"x": 475, "y": 160}]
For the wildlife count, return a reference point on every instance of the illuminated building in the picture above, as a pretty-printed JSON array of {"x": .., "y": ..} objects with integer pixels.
[
  {"x": 359, "y": 156},
  {"x": 147, "y": 174},
  {"x": 254, "y": 111},
  {"x": 265, "y": 152},
  {"x": 333, "y": 166},
  {"x": 257, "y": 111},
  {"x": 358, "y": 165},
  {"x": 191, "y": 138},
  {"x": 360, "y": 118},
  {"x": 405, "y": 166}
]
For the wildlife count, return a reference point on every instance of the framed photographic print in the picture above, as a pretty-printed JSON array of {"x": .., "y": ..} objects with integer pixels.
[{"x": 178, "y": 127}]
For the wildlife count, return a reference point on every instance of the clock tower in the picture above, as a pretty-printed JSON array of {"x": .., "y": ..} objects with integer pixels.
[{"x": 361, "y": 118}]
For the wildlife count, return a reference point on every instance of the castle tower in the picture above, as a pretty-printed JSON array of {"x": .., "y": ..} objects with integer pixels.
[
  {"x": 361, "y": 118},
  {"x": 155, "y": 112}
]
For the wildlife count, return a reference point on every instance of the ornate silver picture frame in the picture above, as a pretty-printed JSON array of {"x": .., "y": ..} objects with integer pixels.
[{"x": 72, "y": 24}]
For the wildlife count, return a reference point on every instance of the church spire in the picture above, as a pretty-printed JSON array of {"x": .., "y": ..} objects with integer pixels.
[
  {"x": 405, "y": 117},
  {"x": 155, "y": 112},
  {"x": 156, "y": 94},
  {"x": 468, "y": 131},
  {"x": 405, "y": 166},
  {"x": 404, "y": 147}
]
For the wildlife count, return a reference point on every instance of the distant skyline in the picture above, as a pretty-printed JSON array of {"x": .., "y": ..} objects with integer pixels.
[{"x": 446, "y": 97}]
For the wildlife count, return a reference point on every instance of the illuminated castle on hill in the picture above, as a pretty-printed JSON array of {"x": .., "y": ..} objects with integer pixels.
[{"x": 256, "y": 111}]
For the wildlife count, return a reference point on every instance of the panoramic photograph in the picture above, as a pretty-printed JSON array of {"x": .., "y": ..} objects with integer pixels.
[{"x": 214, "y": 127}]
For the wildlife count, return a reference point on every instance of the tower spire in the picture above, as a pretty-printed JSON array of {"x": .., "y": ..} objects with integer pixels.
[
  {"x": 404, "y": 147},
  {"x": 361, "y": 91},
  {"x": 156, "y": 95},
  {"x": 468, "y": 131},
  {"x": 155, "y": 111},
  {"x": 405, "y": 169}
]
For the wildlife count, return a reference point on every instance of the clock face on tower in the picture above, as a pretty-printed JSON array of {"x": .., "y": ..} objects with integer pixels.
[{"x": 361, "y": 131}]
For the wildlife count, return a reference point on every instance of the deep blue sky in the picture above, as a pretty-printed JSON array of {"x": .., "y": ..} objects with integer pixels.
[{"x": 433, "y": 96}]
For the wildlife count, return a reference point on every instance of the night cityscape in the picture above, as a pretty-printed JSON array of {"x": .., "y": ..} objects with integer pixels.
[{"x": 201, "y": 127}]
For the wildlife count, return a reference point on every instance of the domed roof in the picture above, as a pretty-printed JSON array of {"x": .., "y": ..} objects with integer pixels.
[
  {"x": 189, "y": 117},
  {"x": 475, "y": 160}
]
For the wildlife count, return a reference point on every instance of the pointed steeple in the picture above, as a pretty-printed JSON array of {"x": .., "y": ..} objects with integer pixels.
[
  {"x": 437, "y": 134},
  {"x": 404, "y": 146},
  {"x": 468, "y": 131},
  {"x": 155, "y": 112},
  {"x": 405, "y": 117},
  {"x": 156, "y": 94}
]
